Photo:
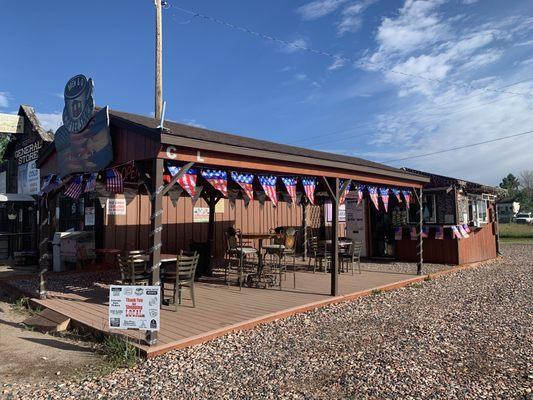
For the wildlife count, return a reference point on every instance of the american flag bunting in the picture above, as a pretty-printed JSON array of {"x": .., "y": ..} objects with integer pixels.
[
  {"x": 90, "y": 184},
  {"x": 114, "y": 183},
  {"x": 187, "y": 180},
  {"x": 373, "y": 192},
  {"x": 439, "y": 233},
  {"x": 268, "y": 182},
  {"x": 398, "y": 194},
  {"x": 309, "y": 187},
  {"x": 360, "y": 194},
  {"x": 463, "y": 232},
  {"x": 456, "y": 232},
  {"x": 75, "y": 188},
  {"x": 384, "y": 193},
  {"x": 246, "y": 182},
  {"x": 342, "y": 198},
  {"x": 290, "y": 184},
  {"x": 407, "y": 197},
  {"x": 467, "y": 228},
  {"x": 218, "y": 179}
]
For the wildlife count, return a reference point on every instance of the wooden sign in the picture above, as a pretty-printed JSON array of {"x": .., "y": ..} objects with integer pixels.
[
  {"x": 200, "y": 214},
  {"x": 11, "y": 123}
]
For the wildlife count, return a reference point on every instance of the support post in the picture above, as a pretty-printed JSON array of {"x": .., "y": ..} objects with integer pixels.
[
  {"x": 304, "y": 224},
  {"x": 420, "y": 243},
  {"x": 156, "y": 226},
  {"x": 335, "y": 239},
  {"x": 212, "y": 202},
  {"x": 497, "y": 228},
  {"x": 158, "y": 60}
]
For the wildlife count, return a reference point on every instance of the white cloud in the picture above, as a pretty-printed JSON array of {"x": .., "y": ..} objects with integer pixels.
[
  {"x": 352, "y": 20},
  {"x": 336, "y": 64},
  {"x": 4, "y": 99},
  {"x": 294, "y": 46},
  {"x": 525, "y": 43},
  {"x": 50, "y": 121},
  {"x": 193, "y": 122},
  {"x": 470, "y": 1},
  {"x": 318, "y": 8},
  {"x": 300, "y": 77}
]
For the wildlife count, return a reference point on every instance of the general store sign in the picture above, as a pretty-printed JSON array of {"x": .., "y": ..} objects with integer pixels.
[
  {"x": 134, "y": 307},
  {"x": 10, "y": 123},
  {"x": 28, "y": 153}
]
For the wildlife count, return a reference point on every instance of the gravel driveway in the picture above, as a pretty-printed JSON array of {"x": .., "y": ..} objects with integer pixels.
[{"x": 466, "y": 335}]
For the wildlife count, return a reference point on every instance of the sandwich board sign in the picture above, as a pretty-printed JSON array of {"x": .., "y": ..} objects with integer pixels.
[{"x": 134, "y": 307}]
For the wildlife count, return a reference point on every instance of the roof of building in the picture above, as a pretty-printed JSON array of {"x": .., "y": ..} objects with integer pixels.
[
  {"x": 216, "y": 137},
  {"x": 47, "y": 136}
]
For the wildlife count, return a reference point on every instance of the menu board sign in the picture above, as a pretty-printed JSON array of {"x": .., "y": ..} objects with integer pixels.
[{"x": 134, "y": 307}]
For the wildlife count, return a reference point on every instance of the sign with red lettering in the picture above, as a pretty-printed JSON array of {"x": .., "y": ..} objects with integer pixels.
[{"x": 134, "y": 307}]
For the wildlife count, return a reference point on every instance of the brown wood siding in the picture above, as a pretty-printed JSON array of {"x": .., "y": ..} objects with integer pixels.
[
  {"x": 131, "y": 231},
  {"x": 435, "y": 251},
  {"x": 131, "y": 145}
]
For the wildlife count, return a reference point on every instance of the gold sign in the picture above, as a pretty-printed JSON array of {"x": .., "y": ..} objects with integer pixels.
[{"x": 11, "y": 123}]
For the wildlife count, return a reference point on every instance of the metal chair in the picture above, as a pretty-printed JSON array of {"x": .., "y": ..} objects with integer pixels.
[
  {"x": 134, "y": 267},
  {"x": 237, "y": 254},
  {"x": 352, "y": 256},
  {"x": 318, "y": 253},
  {"x": 182, "y": 277}
]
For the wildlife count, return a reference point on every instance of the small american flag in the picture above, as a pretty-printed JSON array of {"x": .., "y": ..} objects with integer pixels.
[
  {"x": 268, "y": 183},
  {"x": 397, "y": 193},
  {"x": 467, "y": 228},
  {"x": 114, "y": 182},
  {"x": 439, "y": 233},
  {"x": 425, "y": 231},
  {"x": 246, "y": 182},
  {"x": 342, "y": 199},
  {"x": 46, "y": 183},
  {"x": 463, "y": 232},
  {"x": 384, "y": 193},
  {"x": 90, "y": 184},
  {"x": 456, "y": 232},
  {"x": 74, "y": 189},
  {"x": 373, "y": 192},
  {"x": 290, "y": 184},
  {"x": 407, "y": 197},
  {"x": 218, "y": 179},
  {"x": 360, "y": 194},
  {"x": 309, "y": 187}
]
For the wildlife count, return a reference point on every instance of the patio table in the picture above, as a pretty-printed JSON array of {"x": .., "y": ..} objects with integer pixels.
[{"x": 259, "y": 237}]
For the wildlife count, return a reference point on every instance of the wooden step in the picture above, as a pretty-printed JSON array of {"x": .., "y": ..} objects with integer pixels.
[{"x": 48, "y": 321}]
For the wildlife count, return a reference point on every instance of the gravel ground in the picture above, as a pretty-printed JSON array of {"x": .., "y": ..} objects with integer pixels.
[{"x": 468, "y": 335}]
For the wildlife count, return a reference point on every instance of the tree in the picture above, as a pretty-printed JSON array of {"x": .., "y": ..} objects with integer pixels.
[
  {"x": 511, "y": 183},
  {"x": 526, "y": 181}
]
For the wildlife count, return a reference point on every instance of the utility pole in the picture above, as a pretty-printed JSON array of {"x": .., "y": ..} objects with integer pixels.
[{"x": 158, "y": 60}]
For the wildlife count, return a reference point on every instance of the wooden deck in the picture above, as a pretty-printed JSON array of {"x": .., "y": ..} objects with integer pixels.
[{"x": 220, "y": 308}]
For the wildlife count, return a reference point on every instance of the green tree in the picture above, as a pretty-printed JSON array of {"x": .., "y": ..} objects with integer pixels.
[{"x": 511, "y": 183}]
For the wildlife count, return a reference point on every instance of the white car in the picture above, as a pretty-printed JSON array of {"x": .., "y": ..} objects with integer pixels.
[{"x": 523, "y": 218}]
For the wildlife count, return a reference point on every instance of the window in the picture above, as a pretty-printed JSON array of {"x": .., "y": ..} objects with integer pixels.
[
  {"x": 482, "y": 211},
  {"x": 477, "y": 210},
  {"x": 429, "y": 210}
]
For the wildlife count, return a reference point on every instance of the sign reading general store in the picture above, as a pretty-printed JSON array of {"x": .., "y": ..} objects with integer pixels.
[{"x": 28, "y": 152}]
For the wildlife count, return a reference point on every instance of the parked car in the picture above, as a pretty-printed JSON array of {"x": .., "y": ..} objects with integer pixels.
[{"x": 524, "y": 218}]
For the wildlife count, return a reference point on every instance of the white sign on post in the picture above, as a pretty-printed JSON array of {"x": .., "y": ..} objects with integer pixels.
[
  {"x": 134, "y": 307},
  {"x": 116, "y": 206}
]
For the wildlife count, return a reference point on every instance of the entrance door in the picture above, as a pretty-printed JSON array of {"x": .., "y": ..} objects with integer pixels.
[{"x": 356, "y": 222}]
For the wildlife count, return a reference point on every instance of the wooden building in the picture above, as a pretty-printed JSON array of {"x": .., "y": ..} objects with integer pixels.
[
  {"x": 20, "y": 184},
  {"x": 460, "y": 224},
  {"x": 141, "y": 148}
]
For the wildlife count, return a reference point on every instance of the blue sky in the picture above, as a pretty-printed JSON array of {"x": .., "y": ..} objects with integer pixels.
[{"x": 415, "y": 77}]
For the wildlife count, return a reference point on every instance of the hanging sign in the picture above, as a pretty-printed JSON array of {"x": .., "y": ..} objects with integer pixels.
[
  {"x": 28, "y": 179},
  {"x": 11, "y": 123},
  {"x": 89, "y": 216},
  {"x": 116, "y": 206},
  {"x": 200, "y": 214},
  {"x": 29, "y": 152},
  {"x": 134, "y": 307}
]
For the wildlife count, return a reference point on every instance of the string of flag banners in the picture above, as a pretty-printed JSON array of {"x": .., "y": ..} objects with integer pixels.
[{"x": 458, "y": 232}]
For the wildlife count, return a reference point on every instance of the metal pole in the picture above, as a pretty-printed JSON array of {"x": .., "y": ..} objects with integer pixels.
[
  {"x": 304, "y": 221},
  {"x": 420, "y": 244},
  {"x": 158, "y": 60},
  {"x": 335, "y": 238},
  {"x": 496, "y": 228}
]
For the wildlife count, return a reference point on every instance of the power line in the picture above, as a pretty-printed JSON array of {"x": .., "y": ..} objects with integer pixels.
[
  {"x": 337, "y": 57},
  {"x": 458, "y": 147}
]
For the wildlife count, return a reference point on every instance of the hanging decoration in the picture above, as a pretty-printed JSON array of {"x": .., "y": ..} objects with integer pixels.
[
  {"x": 373, "y": 193},
  {"x": 384, "y": 193},
  {"x": 342, "y": 198},
  {"x": 246, "y": 182},
  {"x": 174, "y": 194},
  {"x": 397, "y": 193},
  {"x": 290, "y": 184},
  {"x": 90, "y": 184},
  {"x": 425, "y": 232},
  {"x": 398, "y": 233},
  {"x": 467, "y": 228},
  {"x": 268, "y": 182},
  {"x": 412, "y": 232},
  {"x": 75, "y": 188},
  {"x": 309, "y": 188},
  {"x": 463, "y": 232},
  {"x": 407, "y": 197},
  {"x": 360, "y": 194},
  {"x": 187, "y": 181},
  {"x": 456, "y": 232},
  {"x": 114, "y": 182},
  {"x": 45, "y": 188},
  {"x": 218, "y": 179},
  {"x": 439, "y": 233}
]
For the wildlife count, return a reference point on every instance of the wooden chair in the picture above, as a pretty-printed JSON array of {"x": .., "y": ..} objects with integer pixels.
[
  {"x": 134, "y": 267},
  {"x": 182, "y": 277},
  {"x": 318, "y": 253},
  {"x": 352, "y": 256}
]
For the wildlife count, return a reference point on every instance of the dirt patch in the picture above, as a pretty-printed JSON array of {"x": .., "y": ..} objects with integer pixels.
[{"x": 29, "y": 356}]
